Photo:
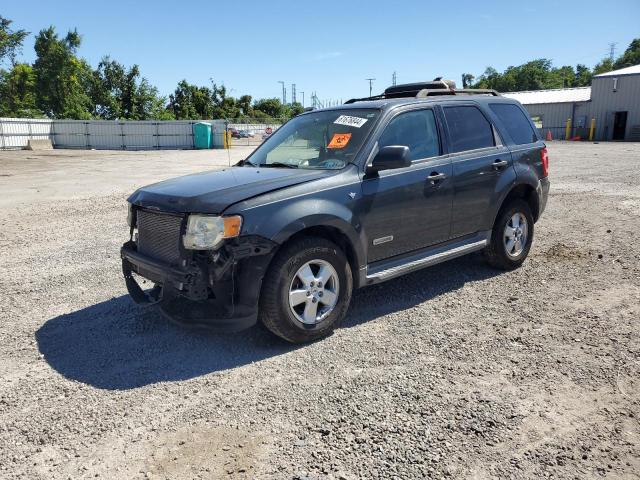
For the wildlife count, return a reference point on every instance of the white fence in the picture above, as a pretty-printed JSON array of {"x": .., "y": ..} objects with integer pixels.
[{"x": 113, "y": 135}]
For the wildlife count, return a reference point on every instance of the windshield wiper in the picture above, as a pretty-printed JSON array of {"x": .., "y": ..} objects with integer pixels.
[{"x": 279, "y": 165}]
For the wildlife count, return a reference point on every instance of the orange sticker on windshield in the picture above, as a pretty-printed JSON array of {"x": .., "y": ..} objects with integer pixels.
[{"x": 339, "y": 140}]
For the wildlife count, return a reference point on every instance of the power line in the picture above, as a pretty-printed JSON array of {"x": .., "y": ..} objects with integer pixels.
[{"x": 370, "y": 80}]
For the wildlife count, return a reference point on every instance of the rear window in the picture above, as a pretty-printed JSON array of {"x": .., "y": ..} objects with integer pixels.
[
  {"x": 515, "y": 122},
  {"x": 468, "y": 128}
]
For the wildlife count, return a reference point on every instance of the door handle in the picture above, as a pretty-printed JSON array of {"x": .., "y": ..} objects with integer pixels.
[
  {"x": 436, "y": 177},
  {"x": 498, "y": 164}
]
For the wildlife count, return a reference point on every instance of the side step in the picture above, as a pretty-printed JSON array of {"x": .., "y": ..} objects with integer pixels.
[{"x": 397, "y": 266}]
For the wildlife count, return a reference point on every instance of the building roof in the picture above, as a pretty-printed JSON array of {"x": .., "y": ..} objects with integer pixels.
[
  {"x": 635, "y": 69},
  {"x": 556, "y": 95}
]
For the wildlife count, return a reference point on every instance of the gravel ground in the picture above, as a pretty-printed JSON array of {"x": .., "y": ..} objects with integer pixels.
[{"x": 457, "y": 371}]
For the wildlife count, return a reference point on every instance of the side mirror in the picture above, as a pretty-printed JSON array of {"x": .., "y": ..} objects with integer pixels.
[{"x": 390, "y": 157}]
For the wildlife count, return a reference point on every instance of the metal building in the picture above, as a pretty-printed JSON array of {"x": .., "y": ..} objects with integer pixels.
[{"x": 613, "y": 100}]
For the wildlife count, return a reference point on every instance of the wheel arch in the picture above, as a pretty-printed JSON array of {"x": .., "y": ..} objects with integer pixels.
[
  {"x": 330, "y": 228},
  {"x": 523, "y": 191}
]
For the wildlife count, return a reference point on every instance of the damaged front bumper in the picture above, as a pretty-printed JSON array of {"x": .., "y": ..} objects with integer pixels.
[{"x": 217, "y": 289}]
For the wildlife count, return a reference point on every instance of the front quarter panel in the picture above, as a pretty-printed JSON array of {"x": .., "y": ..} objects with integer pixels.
[{"x": 328, "y": 202}]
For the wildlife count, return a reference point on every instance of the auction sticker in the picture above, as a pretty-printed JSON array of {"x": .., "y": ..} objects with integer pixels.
[
  {"x": 339, "y": 140},
  {"x": 350, "y": 121}
]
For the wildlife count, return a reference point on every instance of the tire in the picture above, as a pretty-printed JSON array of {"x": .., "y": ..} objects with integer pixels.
[
  {"x": 498, "y": 253},
  {"x": 299, "y": 323}
]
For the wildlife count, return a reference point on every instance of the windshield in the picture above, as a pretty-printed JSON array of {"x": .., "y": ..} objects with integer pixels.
[{"x": 319, "y": 140}]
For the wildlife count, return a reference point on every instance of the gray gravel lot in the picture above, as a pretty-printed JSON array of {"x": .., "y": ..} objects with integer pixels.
[{"x": 457, "y": 371}]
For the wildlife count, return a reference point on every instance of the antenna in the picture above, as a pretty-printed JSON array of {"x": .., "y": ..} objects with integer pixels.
[
  {"x": 370, "y": 80},
  {"x": 284, "y": 92},
  {"x": 612, "y": 51}
]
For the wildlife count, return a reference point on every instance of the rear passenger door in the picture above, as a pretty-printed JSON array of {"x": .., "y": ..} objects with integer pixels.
[{"x": 481, "y": 166}]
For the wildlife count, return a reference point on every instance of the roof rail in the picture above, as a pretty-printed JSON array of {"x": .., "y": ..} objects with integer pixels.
[{"x": 426, "y": 89}]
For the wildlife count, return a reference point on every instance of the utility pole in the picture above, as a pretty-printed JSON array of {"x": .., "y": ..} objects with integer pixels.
[
  {"x": 370, "y": 80},
  {"x": 302, "y": 99},
  {"x": 612, "y": 51},
  {"x": 293, "y": 93},
  {"x": 284, "y": 93},
  {"x": 393, "y": 79}
]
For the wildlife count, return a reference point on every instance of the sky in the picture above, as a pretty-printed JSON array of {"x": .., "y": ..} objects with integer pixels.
[{"x": 328, "y": 47}]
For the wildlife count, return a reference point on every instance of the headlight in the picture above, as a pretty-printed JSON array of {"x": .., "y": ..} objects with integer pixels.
[
  {"x": 131, "y": 220},
  {"x": 205, "y": 232}
]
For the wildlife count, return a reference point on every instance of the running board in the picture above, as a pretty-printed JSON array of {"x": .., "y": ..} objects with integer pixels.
[{"x": 434, "y": 255}]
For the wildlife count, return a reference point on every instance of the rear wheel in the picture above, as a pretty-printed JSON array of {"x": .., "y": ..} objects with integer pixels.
[
  {"x": 511, "y": 237},
  {"x": 307, "y": 290}
]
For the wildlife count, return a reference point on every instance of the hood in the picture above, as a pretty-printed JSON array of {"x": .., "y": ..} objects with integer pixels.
[{"x": 214, "y": 191}]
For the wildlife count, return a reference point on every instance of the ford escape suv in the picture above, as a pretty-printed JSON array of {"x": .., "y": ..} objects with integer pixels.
[{"x": 338, "y": 199}]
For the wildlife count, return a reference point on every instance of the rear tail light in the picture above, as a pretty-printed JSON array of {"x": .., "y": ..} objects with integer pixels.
[{"x": 544, "y": 156}]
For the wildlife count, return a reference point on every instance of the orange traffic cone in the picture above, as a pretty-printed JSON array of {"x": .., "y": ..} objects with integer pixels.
[{"x": 549, "y": 136}]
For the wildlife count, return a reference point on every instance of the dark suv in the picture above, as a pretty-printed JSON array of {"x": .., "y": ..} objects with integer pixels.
[{"x": 338, "y": 199}]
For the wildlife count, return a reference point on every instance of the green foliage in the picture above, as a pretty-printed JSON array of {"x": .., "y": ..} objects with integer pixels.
[
  {"x": 630, "y": 57},
  {"x": 18, "y": 92},
  {"x": 540, "y": 74},
  {"x": 62, "y": 85},
  {"x": 63, "y": 81},
  {"x": 605, "y": 65},
  {"x": 10, "y": 41},
  {"x": 467, "y": 80},
  {"x": 121, "y": 93}
]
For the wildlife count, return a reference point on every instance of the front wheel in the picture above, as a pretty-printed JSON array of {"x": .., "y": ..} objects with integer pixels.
[
  {"x": 511, "y": 237},
  {"x": 307, "y": 290}
]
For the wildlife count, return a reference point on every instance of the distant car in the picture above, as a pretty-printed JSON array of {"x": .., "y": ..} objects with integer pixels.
[
  {"x": 234, "y": 132},
  {"x": 245, "y": 134}
]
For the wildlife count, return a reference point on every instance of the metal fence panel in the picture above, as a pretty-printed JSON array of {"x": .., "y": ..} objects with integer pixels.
[
  {"x": 70, "y": 134},
  {"x": 129, "y": 135}
]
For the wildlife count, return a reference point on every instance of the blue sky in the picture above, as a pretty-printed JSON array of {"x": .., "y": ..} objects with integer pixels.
[{"x": 328, "y": 46}]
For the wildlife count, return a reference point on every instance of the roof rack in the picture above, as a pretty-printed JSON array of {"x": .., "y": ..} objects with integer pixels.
[{"x": 426, "y": 89}]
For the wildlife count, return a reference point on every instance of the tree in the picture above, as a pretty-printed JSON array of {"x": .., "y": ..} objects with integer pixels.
[
  {"x": 10, "y": 41},
  {"x": 18, "y": 92},
  {"x": 630, "y": 57},
  {"x": 605, "y": 65},
  {"x": 271, "y": 107},
  {"x": 190, "y": 102},
  {"x": 63, "y": 81},
  {"x": 467, "y": 80},
  {"x": 583, "y": 76}
]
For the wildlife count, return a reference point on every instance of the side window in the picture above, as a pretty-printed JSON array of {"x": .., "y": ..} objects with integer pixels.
[
  {"x": 515, "y": 122},
  {"x": 416, "y": 130},
  {"x": 468, "y": 128}
]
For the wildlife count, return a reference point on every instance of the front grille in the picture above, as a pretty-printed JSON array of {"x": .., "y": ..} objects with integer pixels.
[{"x": 159, "y": 236}]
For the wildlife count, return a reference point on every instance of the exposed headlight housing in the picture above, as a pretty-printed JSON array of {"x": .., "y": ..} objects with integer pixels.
[
  {"x": 206, "y": 232},
  {"x": 131, "y": 216}
]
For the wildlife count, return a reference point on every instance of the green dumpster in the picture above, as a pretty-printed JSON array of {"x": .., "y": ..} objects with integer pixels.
[{"x": 202, "y": 135}]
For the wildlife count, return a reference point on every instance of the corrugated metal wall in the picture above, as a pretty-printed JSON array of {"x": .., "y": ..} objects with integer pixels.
[
  {"x": 605, "y": 102},
  {"x": 112, "y": 135},
  {"x": 602, "y": 106}
]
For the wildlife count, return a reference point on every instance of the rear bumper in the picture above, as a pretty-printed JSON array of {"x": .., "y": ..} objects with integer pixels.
[
  {"x": 543, "y": 193},
  {"x": 221, "y": 294}
]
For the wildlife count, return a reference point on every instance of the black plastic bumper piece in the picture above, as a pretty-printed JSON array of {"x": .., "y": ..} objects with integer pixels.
[{"x": 174, "y": 293}]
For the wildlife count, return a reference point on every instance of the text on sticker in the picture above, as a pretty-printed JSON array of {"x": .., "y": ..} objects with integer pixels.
[
  {"x": 339, "y": 140},
  {"x": 350, "y": 121}
]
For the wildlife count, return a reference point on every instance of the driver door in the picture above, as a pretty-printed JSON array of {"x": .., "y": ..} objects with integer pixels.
[{"x": 409, "y": 208}]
